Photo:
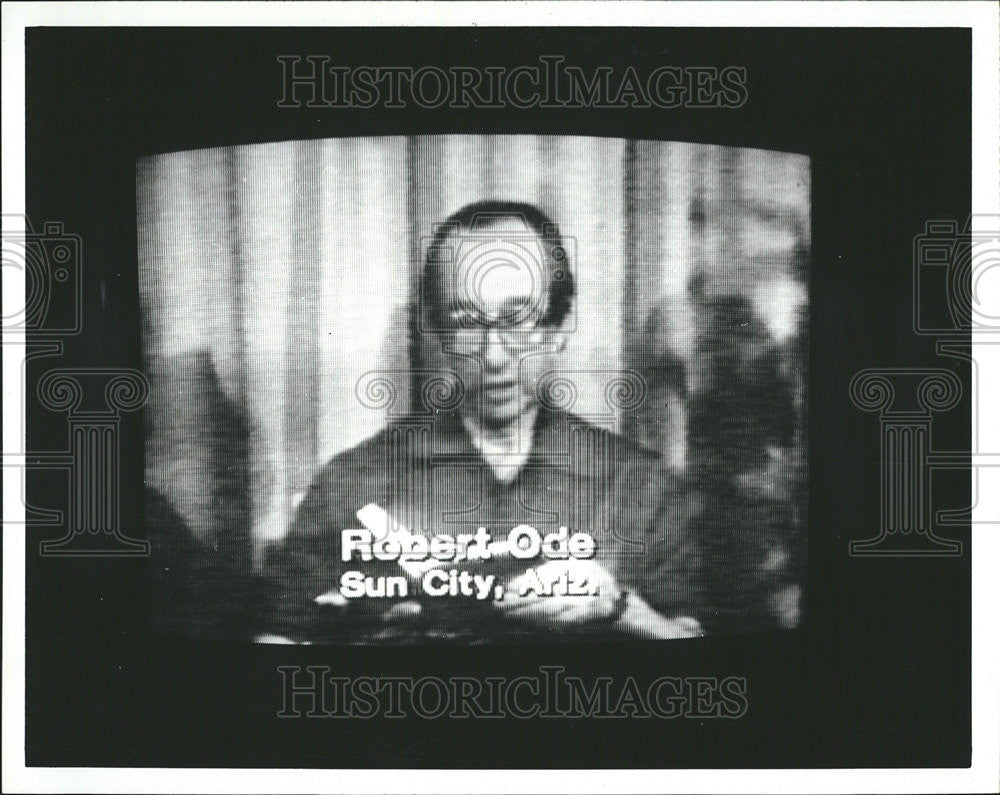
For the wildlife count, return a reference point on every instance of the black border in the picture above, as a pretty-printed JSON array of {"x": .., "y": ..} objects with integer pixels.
[{"x": 880, "y": 673}]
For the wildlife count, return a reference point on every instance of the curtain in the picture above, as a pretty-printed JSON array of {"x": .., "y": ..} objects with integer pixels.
[{"x": 276, "y": 279}]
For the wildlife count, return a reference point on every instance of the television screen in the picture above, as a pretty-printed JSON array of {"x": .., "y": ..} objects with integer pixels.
[{"x": 475, "y": 388}]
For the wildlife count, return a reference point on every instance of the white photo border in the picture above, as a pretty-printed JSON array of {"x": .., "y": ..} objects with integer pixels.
[{"x": 981, "y": 17}]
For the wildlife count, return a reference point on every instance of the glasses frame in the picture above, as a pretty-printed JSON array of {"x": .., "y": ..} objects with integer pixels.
[{"x": 470, "y": 333}]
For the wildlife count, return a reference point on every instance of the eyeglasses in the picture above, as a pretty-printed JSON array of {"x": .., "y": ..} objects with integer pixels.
[{"x": 516, "y": 329}]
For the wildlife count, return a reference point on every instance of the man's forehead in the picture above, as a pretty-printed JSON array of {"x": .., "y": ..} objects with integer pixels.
[{"x": 494, "y": 263}]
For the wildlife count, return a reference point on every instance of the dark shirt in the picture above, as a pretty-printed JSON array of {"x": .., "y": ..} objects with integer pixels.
[{"x": 426, "y": 472}]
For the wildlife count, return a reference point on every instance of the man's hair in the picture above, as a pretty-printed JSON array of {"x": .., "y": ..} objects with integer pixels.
[{"x": 482, "y": 215}]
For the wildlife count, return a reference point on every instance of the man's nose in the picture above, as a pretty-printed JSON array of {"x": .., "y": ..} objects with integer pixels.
[{"x": 495, "y": 352}]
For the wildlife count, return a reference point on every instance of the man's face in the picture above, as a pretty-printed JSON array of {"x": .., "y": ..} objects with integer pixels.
[{"x": 494, "y": 288}]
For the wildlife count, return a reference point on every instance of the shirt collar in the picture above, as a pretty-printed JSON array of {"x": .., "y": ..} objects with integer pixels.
[
  {"x": 506, "y": 450},
  {"x": 516, "y": 440}
]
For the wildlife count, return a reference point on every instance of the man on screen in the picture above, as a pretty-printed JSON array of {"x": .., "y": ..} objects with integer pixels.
[{"x": 487, "y": 450}]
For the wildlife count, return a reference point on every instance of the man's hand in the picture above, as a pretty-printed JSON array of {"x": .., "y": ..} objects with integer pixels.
[
  {"x": 638, "y": 618},
  {"x": 521, "y": 601}
]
